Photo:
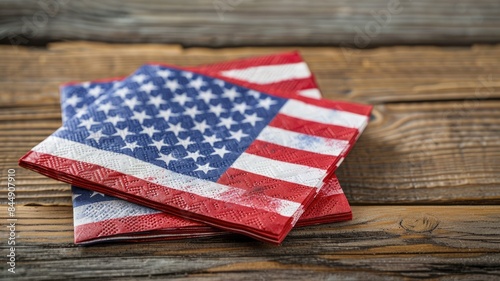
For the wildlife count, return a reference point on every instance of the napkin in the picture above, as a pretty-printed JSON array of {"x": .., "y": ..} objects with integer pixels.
[
  {"x": 101, "y": 218},
  {"x": 204, "y": 149}
]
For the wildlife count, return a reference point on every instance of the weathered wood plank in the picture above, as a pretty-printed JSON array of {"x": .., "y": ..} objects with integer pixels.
[
  {"x": 422, "y": 147},
  {"x": 32, "y": 76},
  {"x": 381, "y": 241},
  {"x": 252, "y": 22},
  {"x": 440, "y": 152},
  {"x": 290, "y": 267}
]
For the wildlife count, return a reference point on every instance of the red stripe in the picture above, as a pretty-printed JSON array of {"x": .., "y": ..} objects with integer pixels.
[
  {"x": 253, "y": 222},
  {"x": 283, "y": 58},
  {"x": 312, "y": 128},
  {"x": 362, "y": 109},
  {"x": 266, "y": 88},
  {"x": 258, "y": 185},
  {"x": 151, "y": 222},
  {"x": 284, "y": 87},
  {"x": 290, "y": 155}
]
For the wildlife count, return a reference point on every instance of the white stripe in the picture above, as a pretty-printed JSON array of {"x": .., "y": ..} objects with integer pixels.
[
  {"x": 107, "y": 210},
  {"x": 301, "y": 110},
  {"x": 267, "y": 74},
  {"x": 311, "y": 93},
  {"x": 340, "y": 161},
  {"x": 301, "y": 141},
  {"x": 131, "y": 166},
  {"x": 283, "y": 171}
]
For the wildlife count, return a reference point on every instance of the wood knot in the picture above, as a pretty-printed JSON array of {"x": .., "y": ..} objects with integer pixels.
[{"x": 419, "y": 224}]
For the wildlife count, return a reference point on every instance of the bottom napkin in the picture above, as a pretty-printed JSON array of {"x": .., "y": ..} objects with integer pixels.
[{"x": 104, "y": 218}]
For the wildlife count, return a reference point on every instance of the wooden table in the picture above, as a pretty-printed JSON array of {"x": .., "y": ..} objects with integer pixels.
[{"x": 424, "y": 179}]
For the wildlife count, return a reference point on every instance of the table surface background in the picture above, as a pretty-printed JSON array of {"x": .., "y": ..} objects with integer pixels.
[
  {"x": 424, "y": 178},
  {"x": 222, "y": 23}
]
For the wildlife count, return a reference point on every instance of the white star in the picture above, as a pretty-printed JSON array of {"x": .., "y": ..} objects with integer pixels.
[
  {"x": 221, "y": 151},
  {"x": 96, "y": 91},
  {"x": 140, "y": 116},
  {"x": 252, "y": 119},
  {"x": 182, "y": 99},
  {"x": 267, "y": 103},
  {"x": 185, "y": 142},
  {"x": 205, "y": 168},
  {"x": 74, "y": 196},
  {"x": 227, "y": 122},
  {"x": 238, "y": 135},
  {"x": 158, "y": 144},
  {"x": 207, "y": 95},
  {"x": 172, "y": 85},
  {"x": 164, "y": 73},
  {"x": 114, "y": 119},
  {"x": 219, "y": 83},
  {"x": 73, "y": 101},
  {"x": 116, "y": 85},
  {"x": 188, "y": 75},
  {"x": 197, "y": 83},
  {"x": 231, "y": 94},
  {"x": 167, "y": 158},
  {"x": 86, "y": 84},
  {"x": 254, "y": 94},
  {"x": 88, "y": 123},
  {"x": 94, "y": 193},
  {"x": 240, "y": 107},
  {"x": 194, "y": 155},
  {"x": 106, "y": 107},
  {"x": 81, "y": 111},
  {"x": 176, "y": 128},
  {"x": 193, "y": 111},
  {"x": 201, "y": 126},
  {"x": 132, "y": 103},
  {"x": 217, "y": 109},
  {"x": 148, "y": 87},
  {"x": 122, "y": 93},
  {"x": 150, "y": 131},
  {"x": 156, "y": 101},
  {"x": 166, "y": 114},
  {"x": 131, "y": 145},
  {"x": 139, "y": 78},
  {"x": 97, "y": 136},
  {"x": 211, "y": 139},
  {"x": 123, "y": 133}
]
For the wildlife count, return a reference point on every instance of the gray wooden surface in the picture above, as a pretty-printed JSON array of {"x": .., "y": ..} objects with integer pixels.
[{"x": 253, "y": 22}]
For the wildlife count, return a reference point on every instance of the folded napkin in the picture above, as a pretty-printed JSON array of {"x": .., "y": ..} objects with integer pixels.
[
  {"x": 100, "y": 218},
  {"x": 204, "y": 149}
]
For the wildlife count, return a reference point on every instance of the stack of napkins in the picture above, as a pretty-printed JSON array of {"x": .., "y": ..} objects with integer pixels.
[{"x": 244, "y": 146}]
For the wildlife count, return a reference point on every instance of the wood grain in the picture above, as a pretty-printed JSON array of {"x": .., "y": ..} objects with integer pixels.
[
  {"x": 410, "y": 153},
  {"x": 253, "y": 22},
  {"x": 372, "y": 76},
  {"x": 429, "y": 152},
  {"x": 424, "y": 177},
  {"x": 381, "y": 242}
]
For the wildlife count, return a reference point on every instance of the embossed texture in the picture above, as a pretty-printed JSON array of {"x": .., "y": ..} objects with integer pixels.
[{"x": 245, "y": 125}]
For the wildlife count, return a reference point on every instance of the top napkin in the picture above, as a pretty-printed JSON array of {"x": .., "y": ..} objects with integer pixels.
[{"x": 204, "y": 149}]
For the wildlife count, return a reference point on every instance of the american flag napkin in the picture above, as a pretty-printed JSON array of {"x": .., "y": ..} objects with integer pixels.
[
  {"x": 99, "y": 218},
  {"x": 204, "y": 149}
]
